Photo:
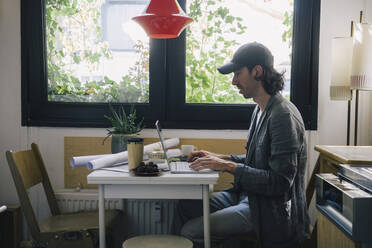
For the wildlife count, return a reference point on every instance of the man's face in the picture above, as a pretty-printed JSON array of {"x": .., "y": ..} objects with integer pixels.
[{"x": 245, "y": 82}]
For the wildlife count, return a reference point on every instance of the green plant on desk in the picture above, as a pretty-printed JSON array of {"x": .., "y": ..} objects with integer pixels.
[{"x": 124, "y": 126}]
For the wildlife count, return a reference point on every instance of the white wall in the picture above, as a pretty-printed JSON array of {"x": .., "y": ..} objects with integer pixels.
[
  {"x": 335, "y": 21},
  {"x": 336, "y": 17}
]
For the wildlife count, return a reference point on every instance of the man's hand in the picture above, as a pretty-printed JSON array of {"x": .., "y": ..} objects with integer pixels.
[
  {"x": 212, "y": 162},
  {"x": 199, "y": 154}
]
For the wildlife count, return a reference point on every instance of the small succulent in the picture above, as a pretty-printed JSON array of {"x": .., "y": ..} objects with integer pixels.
[{"x": 123, "y": 123}]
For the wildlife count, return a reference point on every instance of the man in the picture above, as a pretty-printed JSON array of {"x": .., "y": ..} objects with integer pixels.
[{"x": 268, "y": 196}]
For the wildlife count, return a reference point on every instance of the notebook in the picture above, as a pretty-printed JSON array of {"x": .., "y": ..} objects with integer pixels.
[{"x": 180, "y": 167}]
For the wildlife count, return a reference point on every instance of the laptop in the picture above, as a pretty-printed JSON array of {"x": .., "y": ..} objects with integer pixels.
[{"x": 179, "y": 167}]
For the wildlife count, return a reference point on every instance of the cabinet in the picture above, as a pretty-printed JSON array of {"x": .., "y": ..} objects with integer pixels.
[
  {"x": 330, "y": 157},
  {"x": 329, "y": 236}
]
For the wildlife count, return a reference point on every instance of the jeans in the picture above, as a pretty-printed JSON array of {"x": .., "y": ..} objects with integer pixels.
[{"x": 230, "y": 216}]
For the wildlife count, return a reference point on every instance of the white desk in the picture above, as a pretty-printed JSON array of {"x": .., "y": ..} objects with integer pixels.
[{"x": 167, "y": 186}]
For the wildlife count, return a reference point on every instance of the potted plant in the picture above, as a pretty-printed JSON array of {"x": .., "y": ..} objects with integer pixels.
[{"x": 123, "y": 127}]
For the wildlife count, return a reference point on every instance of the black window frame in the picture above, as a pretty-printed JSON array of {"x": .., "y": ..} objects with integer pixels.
[{"x": 167, "y": 80}]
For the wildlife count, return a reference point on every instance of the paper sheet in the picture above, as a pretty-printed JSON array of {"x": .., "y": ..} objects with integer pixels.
[
  {"x": 172, "y": 153},
  {"x": 120, "y": 168},
  {"x": 123, "y": 167}
]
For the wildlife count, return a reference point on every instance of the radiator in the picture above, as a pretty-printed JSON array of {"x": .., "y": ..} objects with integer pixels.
[
  {"x": 144, "y": 216},
  {"x": 150, "y": 216},
  {"x": 70, "y": 200}
]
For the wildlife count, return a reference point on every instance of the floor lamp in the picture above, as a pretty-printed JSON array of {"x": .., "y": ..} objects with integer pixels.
[
  {"x": 361, "y": 73},
  {"x": 342, "y": 52}
]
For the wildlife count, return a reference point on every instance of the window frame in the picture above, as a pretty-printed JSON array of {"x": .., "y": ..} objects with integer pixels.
[
  {"x": 167, "y": 81},
  {"x": 38, "y": 111}
]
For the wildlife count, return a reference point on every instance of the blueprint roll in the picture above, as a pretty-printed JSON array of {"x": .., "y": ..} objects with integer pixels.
[
  {"x": 83, "y": 160},
  {"x": 122, "y": 157}
]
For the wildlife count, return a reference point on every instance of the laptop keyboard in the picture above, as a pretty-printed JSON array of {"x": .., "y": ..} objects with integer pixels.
[
  {"x": 184, "y": 167},
  {"x": 180, "y": 166}
]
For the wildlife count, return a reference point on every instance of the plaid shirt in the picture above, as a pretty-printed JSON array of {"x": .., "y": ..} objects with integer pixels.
[{"x": 272, "y": 172}]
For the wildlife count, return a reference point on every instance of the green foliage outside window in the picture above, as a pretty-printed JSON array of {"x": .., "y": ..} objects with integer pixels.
[
  {"x": 209, "y": 48},
  {"x": 74, "y": 37},
  {"x": 288, "y": 21}
]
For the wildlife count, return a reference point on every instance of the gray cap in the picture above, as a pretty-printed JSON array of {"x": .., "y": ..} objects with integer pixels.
[{"x": 250, "y": 54}]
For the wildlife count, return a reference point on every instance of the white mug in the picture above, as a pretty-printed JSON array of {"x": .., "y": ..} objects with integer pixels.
[{"x": 187, "y": 149}]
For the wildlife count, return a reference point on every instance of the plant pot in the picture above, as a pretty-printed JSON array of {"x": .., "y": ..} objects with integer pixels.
[{"x": 119, "y": 142}]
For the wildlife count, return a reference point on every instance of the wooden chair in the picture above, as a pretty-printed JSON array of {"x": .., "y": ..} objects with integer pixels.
[{"x": 59, "y": 230}]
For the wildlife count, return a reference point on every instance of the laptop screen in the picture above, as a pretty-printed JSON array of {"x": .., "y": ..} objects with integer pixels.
[{"x": 158, "y": 129}]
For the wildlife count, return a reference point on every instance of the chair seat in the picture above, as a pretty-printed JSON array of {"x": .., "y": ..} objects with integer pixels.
[
  {"x": 76, "y": 221},
  {"x": 157, "y": 241}
]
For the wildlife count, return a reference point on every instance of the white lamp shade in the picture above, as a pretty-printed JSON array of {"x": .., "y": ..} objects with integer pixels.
[
  {"x": 342, "y": 53},
  {"x": 361, "y": 72}
]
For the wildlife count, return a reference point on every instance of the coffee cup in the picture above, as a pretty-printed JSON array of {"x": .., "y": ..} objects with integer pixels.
[
  {"x": 135, "y": 152},
  {"x": 187, "y": 149}
]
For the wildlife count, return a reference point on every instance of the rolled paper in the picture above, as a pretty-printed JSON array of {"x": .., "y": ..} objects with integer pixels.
[
  {"x": 83, "y": 160},
  {"x": 106, "y": 160}
]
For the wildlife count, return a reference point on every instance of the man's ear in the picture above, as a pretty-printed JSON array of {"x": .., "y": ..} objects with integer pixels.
[{"x": 258, "y": 72}]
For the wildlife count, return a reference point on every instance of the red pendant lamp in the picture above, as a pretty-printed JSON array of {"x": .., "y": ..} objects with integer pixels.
[{"x": 163, "y": 19}]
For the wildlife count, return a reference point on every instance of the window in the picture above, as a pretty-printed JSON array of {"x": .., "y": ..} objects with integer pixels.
[
  {"x": 96, "y": 54},
  {"x": 75, "y": 62}
]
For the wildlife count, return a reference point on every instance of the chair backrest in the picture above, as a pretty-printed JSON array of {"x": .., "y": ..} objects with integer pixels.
[{"x": 28, "y": 169}]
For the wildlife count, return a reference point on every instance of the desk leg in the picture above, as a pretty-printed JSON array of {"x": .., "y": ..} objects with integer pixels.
[
  {"x": 101, "y": 213},
  {"x": 207, "y": 231}
]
